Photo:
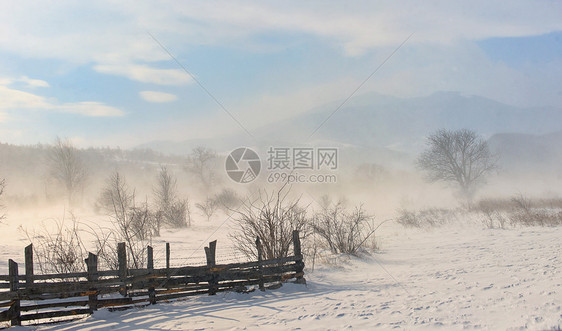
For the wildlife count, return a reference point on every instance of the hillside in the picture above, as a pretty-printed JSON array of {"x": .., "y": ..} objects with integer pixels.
[{"x": 386, "y": 123}]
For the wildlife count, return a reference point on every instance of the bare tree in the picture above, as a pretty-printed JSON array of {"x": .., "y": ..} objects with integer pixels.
[
  {"x": 208, "y": 207},
  {"x": 458, "y": 156},
  {"x": 165, "y": 191},
  {"x": 174, "y": 212},
  {"x": 201, "y": 163},
  {"x": 67, "y": 168}
]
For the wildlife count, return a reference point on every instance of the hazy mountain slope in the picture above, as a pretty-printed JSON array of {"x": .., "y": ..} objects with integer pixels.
[
  {"x": 380, "y": 124},
  {"x": 403, "y": 123},
  {"x": 526, "y": 152}
]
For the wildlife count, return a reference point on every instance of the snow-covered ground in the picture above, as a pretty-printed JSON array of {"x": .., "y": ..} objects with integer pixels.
[{"x": 452, "y": 277}]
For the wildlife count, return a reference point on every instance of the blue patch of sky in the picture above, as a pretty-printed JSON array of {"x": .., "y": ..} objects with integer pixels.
[{"x": 517, "y": 51}]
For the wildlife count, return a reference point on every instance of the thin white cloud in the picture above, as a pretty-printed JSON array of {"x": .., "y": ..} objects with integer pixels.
[
  {"x": 146, "y": 74},
  {"x": 91, "y": 109},
  {"x": 155, "y": 96},
  {"x": 16, "y": 99},
  {"x": 12, "y": 99},
  {"x": 31, "y": 83}
]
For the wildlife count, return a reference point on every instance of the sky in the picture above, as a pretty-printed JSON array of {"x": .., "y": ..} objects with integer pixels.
[{"x": 123, "y": 73}]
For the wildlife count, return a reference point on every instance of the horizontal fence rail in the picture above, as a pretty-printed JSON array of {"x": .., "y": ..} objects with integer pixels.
[{"x": 81, "y": 293}]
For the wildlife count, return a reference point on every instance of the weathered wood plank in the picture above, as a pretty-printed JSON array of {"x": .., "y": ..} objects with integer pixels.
[
  {"x": 179, "y": 295},
  {"x": 52, "y": 314},
  {"x": 4, "y": 316},
  {"x": 114, "y": 302},
  {"x": 5, "y": 304},
  {"x": 63, "y": 304}
]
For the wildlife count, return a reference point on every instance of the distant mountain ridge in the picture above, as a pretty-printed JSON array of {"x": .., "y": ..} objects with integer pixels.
[{"x": 388, "y": 126}]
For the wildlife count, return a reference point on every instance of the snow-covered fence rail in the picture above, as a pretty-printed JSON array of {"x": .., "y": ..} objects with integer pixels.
[{"x": 64, "y": 295}]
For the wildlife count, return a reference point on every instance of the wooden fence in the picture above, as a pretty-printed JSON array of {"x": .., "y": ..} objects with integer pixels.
[{"x": 65, "y": 294}]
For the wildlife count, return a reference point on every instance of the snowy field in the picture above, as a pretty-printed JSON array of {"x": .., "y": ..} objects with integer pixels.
[{"x": 453, "y": 277}]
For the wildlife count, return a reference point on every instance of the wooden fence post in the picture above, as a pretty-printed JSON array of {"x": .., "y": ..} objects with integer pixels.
[
  {"x": 29, "y": 265},
  {"x": 210, "y": 252},
  {"x": 167, "y": 259},
  {"x": 150, "y": 267},
  {"x": 260, "y": 258},
  {"x": 92, "y": 264},
  {"x": 122, "y": 259},
  {"x": 297, "y": 252},
  {"x": 14, "y": 311}
]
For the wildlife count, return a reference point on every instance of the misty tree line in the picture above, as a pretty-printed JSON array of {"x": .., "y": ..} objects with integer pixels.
[
  {"x": 460, "y": 157},
  {"x": 60, "y": 170}
]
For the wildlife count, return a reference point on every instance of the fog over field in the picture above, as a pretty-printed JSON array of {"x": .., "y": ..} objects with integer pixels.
[{"x": 416, "y": 148}]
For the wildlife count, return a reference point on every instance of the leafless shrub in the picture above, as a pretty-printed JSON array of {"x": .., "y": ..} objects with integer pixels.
[
  {"x": 430, "y": 217},
  {"x": 490, "y": 204},
  {"x": 520, "y": 210},
  {"x": 227, "y": 199},
  {"x": 343, "y": 231},
  {"x": 58, "y": 250},
  {"x": 143, "y": 221},
  {"x": 208, "y": 207},
  {"x": 272, "y": 218},
  {"x": 178, "y": 214},
  {"x": 495, "y": 212},
  {"x": 550, "y": 203},
  {"x": 521, "y": 202},
  {"x": 408, "y": 218},
  {"x": 527, "y": 214}
]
